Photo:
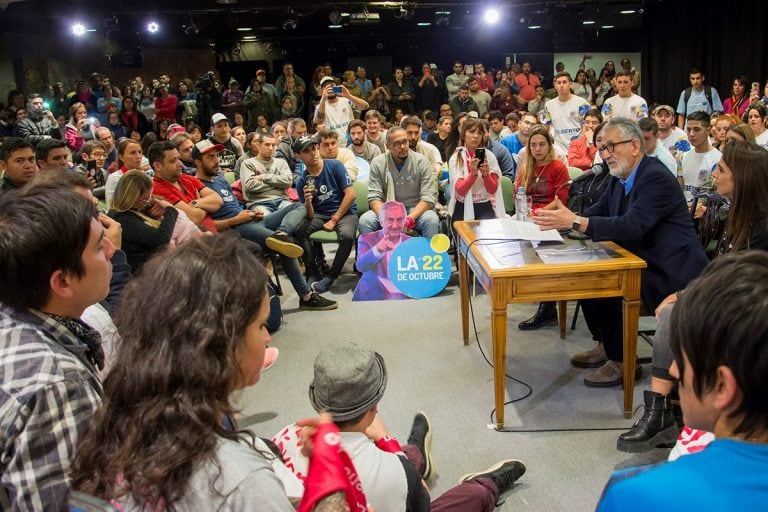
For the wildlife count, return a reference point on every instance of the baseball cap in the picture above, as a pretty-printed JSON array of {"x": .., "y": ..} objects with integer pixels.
[
  {"x": 174, "y": 129},
  {"x": 663, "y": 107},
  {"x": 303, "y": 143},
  {"x": 327, "y": 79},
  {"x": 203, "y": 147},
  {"x": 217, "y": 118}
]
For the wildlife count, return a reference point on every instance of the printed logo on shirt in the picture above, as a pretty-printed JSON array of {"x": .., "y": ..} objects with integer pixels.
[
  {"x": 225, "y": 195},
  {"x": 227, "y": 159}
]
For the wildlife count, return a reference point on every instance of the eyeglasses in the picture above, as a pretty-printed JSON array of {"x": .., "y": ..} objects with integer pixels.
[
  {"x": 399, "y": 143},
  {"x": 611, "y": 146}
]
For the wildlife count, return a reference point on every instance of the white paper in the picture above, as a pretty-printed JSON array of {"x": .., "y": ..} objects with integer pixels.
[{"x": 517, "y": 230}]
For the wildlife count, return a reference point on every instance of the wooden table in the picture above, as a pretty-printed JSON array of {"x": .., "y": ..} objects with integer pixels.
[{"x": 512, "y": 272}]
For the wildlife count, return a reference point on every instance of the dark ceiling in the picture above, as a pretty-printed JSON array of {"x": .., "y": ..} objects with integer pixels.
[{"x": 198, "y": 23}]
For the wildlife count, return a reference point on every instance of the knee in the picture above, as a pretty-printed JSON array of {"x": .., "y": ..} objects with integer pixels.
[{"x": 368, "y": 222}]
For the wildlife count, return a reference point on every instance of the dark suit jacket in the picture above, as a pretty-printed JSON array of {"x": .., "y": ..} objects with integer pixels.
[{"x": 655, "y": 225}]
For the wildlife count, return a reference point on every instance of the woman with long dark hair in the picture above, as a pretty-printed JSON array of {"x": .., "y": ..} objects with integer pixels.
[
  {"x": 742, "y": 178},
  {"x": 191, "y": 336},
  {"x": 474, "y": 181},
  {"x": 738, "y": 102},
  {"x": 132, "y": 118},
  {"x": 402, "y": 92}
]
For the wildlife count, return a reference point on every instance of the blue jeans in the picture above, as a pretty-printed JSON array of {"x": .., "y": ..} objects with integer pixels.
[
  {"x": 282, "y": 215},
  {"x": 428, "y": 224},
  {"x": 258, "y": 232}
]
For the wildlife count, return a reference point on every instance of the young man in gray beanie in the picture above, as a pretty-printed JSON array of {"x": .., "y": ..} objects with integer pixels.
[{"x": 349, "y": 381}]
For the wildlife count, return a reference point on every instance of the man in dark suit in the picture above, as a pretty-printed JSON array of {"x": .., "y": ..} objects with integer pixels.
[
  {"x": 374, "y": 250},
  {"x": 644, "y": 211}
]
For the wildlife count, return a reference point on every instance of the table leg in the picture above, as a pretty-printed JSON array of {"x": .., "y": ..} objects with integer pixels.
[
  {"x": 631, "y": 314},
  {"x": 464, "y": 295},
  {"x": 499, "y": 338},
  {"x": 562, "y": 306}
]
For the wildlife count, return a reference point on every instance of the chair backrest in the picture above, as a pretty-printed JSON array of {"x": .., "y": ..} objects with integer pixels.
[
  {"x": 361, "y": 196},
  {"x": 574, "y": 172},
  {"x": 229, "y": 176},
  {"x": 508, "y": 194}
]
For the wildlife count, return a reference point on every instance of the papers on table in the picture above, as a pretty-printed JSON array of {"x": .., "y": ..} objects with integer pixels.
[{"x": 516, "y": 230}]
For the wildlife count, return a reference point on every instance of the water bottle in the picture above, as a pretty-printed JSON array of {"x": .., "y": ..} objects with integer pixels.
[{"x": 521, "y": 204}]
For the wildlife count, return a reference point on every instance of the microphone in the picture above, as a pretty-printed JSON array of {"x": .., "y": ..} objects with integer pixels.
[{"x": 596, "y": 170}]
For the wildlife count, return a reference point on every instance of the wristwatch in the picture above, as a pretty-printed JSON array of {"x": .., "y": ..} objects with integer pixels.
[
  {"x": 576, "y": 226},
  {"x": 193, "y": 203}
]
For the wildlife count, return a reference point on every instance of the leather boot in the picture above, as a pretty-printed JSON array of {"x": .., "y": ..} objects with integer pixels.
[
  {"x": 656, "y": 427},
  {"x": 677, "y": 411},
  {"x": 544, "y": 316}
]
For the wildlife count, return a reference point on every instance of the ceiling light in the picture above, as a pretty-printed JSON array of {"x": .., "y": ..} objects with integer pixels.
[
  {"x": 226, "y": 2},
  {"x": 628, "y": 12},
  {"x": 491, "y": 16},
  {"x": 90, "y": 30},
  {"x": 249, "y": 38},
  {"x": 443, "y": 18},
  {"x": 534, "y": 27},
  {"x": 345, "y": 15},
  {"x": 424, "y": 24},
  {"x": 78, "y": 29},
  {"x": 153, "y": 27},
  {"x": 588, "y": 22},
  {"x": 607, "y": 26},
  {"x": 335, "y": 26},
  {"x": 244, "y": 29}
]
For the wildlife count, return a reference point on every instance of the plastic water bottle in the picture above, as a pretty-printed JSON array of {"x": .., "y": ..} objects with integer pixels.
[{"x": 521, "y": 204}]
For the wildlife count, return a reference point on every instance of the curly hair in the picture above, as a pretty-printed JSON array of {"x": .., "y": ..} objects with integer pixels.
[{"x": 182, "y": 322}]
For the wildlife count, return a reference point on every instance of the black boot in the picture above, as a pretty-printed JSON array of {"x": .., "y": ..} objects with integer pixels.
[
  {"x": 656, "y": 427},
  {"x": 544, "y": 316}
]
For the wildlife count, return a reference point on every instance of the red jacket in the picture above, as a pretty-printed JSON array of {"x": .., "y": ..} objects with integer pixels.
[
  {"x": 581, "y": 154},
  {"x": 166, "y": 108}
]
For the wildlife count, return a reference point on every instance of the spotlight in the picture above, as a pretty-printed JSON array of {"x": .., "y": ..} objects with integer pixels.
[
  {"x": 335, "y": 18},
  {"x": 191, "y": 27},
  {"x": 78, "y": 29},
  {"x": 491, "y": 16},
  {"x": 443, "y": 18},
  {"x": 236, "y": 49},
  {"x": 153, "y": 27},
  {"x": 289, "y": 20}
]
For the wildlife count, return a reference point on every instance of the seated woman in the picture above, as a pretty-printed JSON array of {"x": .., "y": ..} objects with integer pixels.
[
  {"x": 740, "y": 177},
  {"x": 148, "y": 223},
  {"x": 543, "y": 177},
  {"x": 440, "y": 137},
  {"x": 755, "y": 118},
  {"x": 192, "y": 335},
  {"x": 720, "y": 126},
  {"x": 473, "y": 198},
  {"x": 129, "y": 156}
]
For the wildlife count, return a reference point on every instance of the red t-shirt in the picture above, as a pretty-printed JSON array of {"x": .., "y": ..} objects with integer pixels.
[
  {"x": 545, "y": 181},
  {"x": 527, "y": 85},
  {"x": 166, "y": 108},
  {"x": 191, "y": 190}
]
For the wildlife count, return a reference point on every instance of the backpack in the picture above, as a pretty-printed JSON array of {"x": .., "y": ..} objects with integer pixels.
[{"x": 689, "y": 91}]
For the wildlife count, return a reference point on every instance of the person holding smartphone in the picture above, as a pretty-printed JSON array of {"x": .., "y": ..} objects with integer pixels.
[
  {"x": 337, "y": 107},
  {"x": 94, "y": 155},
  {"x": 474, "y": 177}
]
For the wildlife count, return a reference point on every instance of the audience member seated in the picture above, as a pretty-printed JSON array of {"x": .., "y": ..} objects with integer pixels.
[
  {"x": 740, "y": 177},
  {"x": 670, "y": 136},
  {"x": 359, "y": 146},
  {"x": 94, "y": 156},
  {"x": 718, "y": 349},
  {"x": 652, "y": 146},
  {"x": 582, "y": 150},
  {"x": 402, "y": 175},
  {"x": 328, "y": 146},
  {"x": 545, "y": 180},
  {"x": 643, "y": 211},
  {"x": 149, "y": 224},
  {"x": 270, "y": 232},
  {"x": 17, "y": 163},
  {"x": 440, "y": 137},
  {"x": 129, "y": 157},
  {"x": 164, "y": 440},
  {"x": 474, "y": 180},
  {"x": 51, "y": 358},
  {"x": 517, "y": 141},
  {"x": 698, "y": 164},
  {"x": 755, "y": 118},
  {"x": 326, "y": 190},
  {"x": 52, "y": 155},
  {"x": 349, "y": 381}
]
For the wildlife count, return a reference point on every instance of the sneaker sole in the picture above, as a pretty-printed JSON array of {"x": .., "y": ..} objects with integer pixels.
[
  {"x": 428, "y": 463},
  {"x": 585, "y": 364},
  {"x": 321, "y": 308},
  {"x": 285, "y": 248},
  {"x": 612, "y": 383},
  {"x": 271, "y": 363},
  {"x": 665, "y": 437},
  {"x": 496, "y": 466}
]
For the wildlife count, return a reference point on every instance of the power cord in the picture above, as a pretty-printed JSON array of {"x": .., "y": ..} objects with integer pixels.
[{"x": 529, "y": 392}]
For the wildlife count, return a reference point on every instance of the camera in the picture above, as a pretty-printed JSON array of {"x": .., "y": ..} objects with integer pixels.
[
  {"x": 336, "y": 89},
  {"x": 205, "y": 81}
]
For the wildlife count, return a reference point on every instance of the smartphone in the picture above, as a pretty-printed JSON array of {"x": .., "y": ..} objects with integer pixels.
[
  {"x": 90, "y": 168},
  {"x": 756, "y": 86},
  {"x": 336, "y": 89},
  {"x": 480, "y": 154}
]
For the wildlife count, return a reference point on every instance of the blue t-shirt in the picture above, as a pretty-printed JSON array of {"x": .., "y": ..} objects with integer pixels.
[
  {"x": 726, "y": 475},
  {"x": 329, "y": 188},
  {"x": 231, "y": 206},
  {"x": 698, "y": 102},
  {"x": 512, "y": 143}
]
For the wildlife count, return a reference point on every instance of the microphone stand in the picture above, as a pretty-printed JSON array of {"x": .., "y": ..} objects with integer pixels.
[{"x": 572, "y": 234}]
